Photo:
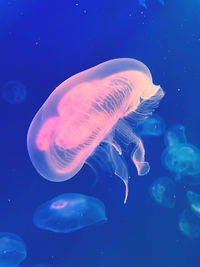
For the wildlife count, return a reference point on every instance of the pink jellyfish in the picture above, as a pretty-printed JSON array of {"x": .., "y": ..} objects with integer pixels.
[{"x": 97, "y": 105}]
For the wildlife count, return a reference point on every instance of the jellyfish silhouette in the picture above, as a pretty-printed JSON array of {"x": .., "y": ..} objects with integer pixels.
[
  {"x": 69, "y": 212},
  {"x": 189, "y": 224},
  {"x": 152, "y": 126},
  {"x": 194, "y": 200},
  {"x": 184, "y": 161},
  {"x": 14, "y": 92},
  {"x": 94, "y": 106},
  {"x": 163, "y": 192},
  {"x": 175, "y": 135},
  {"x": 12, "y": 250}
]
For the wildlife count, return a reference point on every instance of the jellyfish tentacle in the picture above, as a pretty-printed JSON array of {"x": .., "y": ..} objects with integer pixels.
[
  {"x": 120, "y": 168},
  {"x": 114, "y": 144},
  {"x": 138, "y": 155}
]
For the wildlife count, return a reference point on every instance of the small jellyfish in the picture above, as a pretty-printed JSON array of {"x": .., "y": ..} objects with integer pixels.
[
  {"x": 94, "y": 106},
  {"x": 163, "y": 192},
  {"x": 152, "y": 126},
  {"x": 184, "y": 161},
  {"x": 194, "y": 200},
  {"x": 12, "y": 250},
  {"x": 175, "y": 135},
  {"x": 69, "y": 212},
  {"x": 189, "y": 224},
  {"x": 14, "y": 92}
]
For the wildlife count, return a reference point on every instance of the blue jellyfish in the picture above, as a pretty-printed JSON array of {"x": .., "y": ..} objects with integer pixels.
[
  {"x": 143, "y": 2},
  {"x": 184, "y": 161},
  {"x": 189, "y": 224},
  {"x": 12, "y": 250},
  {"x": 194, "y": 200},
  {"x": 152, "y": 126},
  {"x": 14, "y": 92},
  {"x": 69, "y": 212},
  {"x": 163, "y": 192},
  {"x": 175, "y": 135}
]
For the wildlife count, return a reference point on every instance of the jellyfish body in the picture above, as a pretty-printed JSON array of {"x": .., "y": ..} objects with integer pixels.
[
  {"x": 69, "y": 212},
  {"x": 194, "y": 200},
  {"x": 175, "y": 135},
  {"x": 89, "y": 108},
  {"x": 152, "y": 126},
  {"x": 189, "y": 224},
  {"x": 12, "y": 250},
  {"x": 14, "y": 92},
  {"x": 163, "y": 192},
  {"x": 184, "y": 161}
]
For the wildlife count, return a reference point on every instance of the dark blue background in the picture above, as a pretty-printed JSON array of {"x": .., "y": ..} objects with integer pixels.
[{"x": 45, "y": 42}]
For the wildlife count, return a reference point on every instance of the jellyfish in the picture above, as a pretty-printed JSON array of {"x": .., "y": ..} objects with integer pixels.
[
  {"x": 163, "y": 192},
  {"x": 69, "y": 212},
  {"x": 189, "y": 224},
  {"x": 175, "y": 135},
  {"x": 194, "y": 200},
  {"x": 14, "y": 92},
  {"x": 97, "y": 105},
  {"x": 143, "y": 2},
  {"x": 152, "y": 126},
  {"x": 184, "y": 161},
  {"x": 12, "y": 250}
]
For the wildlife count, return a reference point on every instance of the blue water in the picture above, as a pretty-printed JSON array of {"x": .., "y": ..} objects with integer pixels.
[{"x": 42, "y": 44}]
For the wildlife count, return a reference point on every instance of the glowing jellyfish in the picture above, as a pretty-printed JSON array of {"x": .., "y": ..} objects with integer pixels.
[
  {"x": 189, "y": 224},
  {"x": 69, "y": 212},
  {"x": 184, "y": 161},
  {"x": 175, "y": 135},
  {"x": 163, "y": 192},
  {"x": 194, "y": 200},
  {"x": 94, "y": 106},
  {"x": 14, "y": 92},
  {"x": 12, "y": 250},
  {"x": 152, "y": 126}
]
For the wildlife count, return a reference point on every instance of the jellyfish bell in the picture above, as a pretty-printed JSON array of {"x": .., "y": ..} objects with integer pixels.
[
  {"x": 12, "y": 249},
  {"x": 175, "y": 135},
  {"x": 184, "y": 160},
  {"x": 69, "y": 212},
  {"x": 163, "y": 192},
  {"x": 154, "y": 125},
  {"x": 194, "y": 201},
  {"x": 87, "y": 109}
]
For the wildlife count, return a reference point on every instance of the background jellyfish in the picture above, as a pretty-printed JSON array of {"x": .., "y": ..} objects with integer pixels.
[
  {"x": 152, "y": 126},
  {"x": 189, "y": 224},
  {"x": 69, "y": 212},
  {"x": 163, "y": 192},
  {"x": 14, "y": 92},
  {"x": 175, "y": 135},
  {"x": 184, "y": 161},
  {"x": 194, "y": 200},
  {"x": 12, "y": 250},
  {"x": 96, "y": 105},
  {"x": 180, "y": 157}
]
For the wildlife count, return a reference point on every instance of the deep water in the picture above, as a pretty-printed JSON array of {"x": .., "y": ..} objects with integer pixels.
[{"x": 42, "y": 44}]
